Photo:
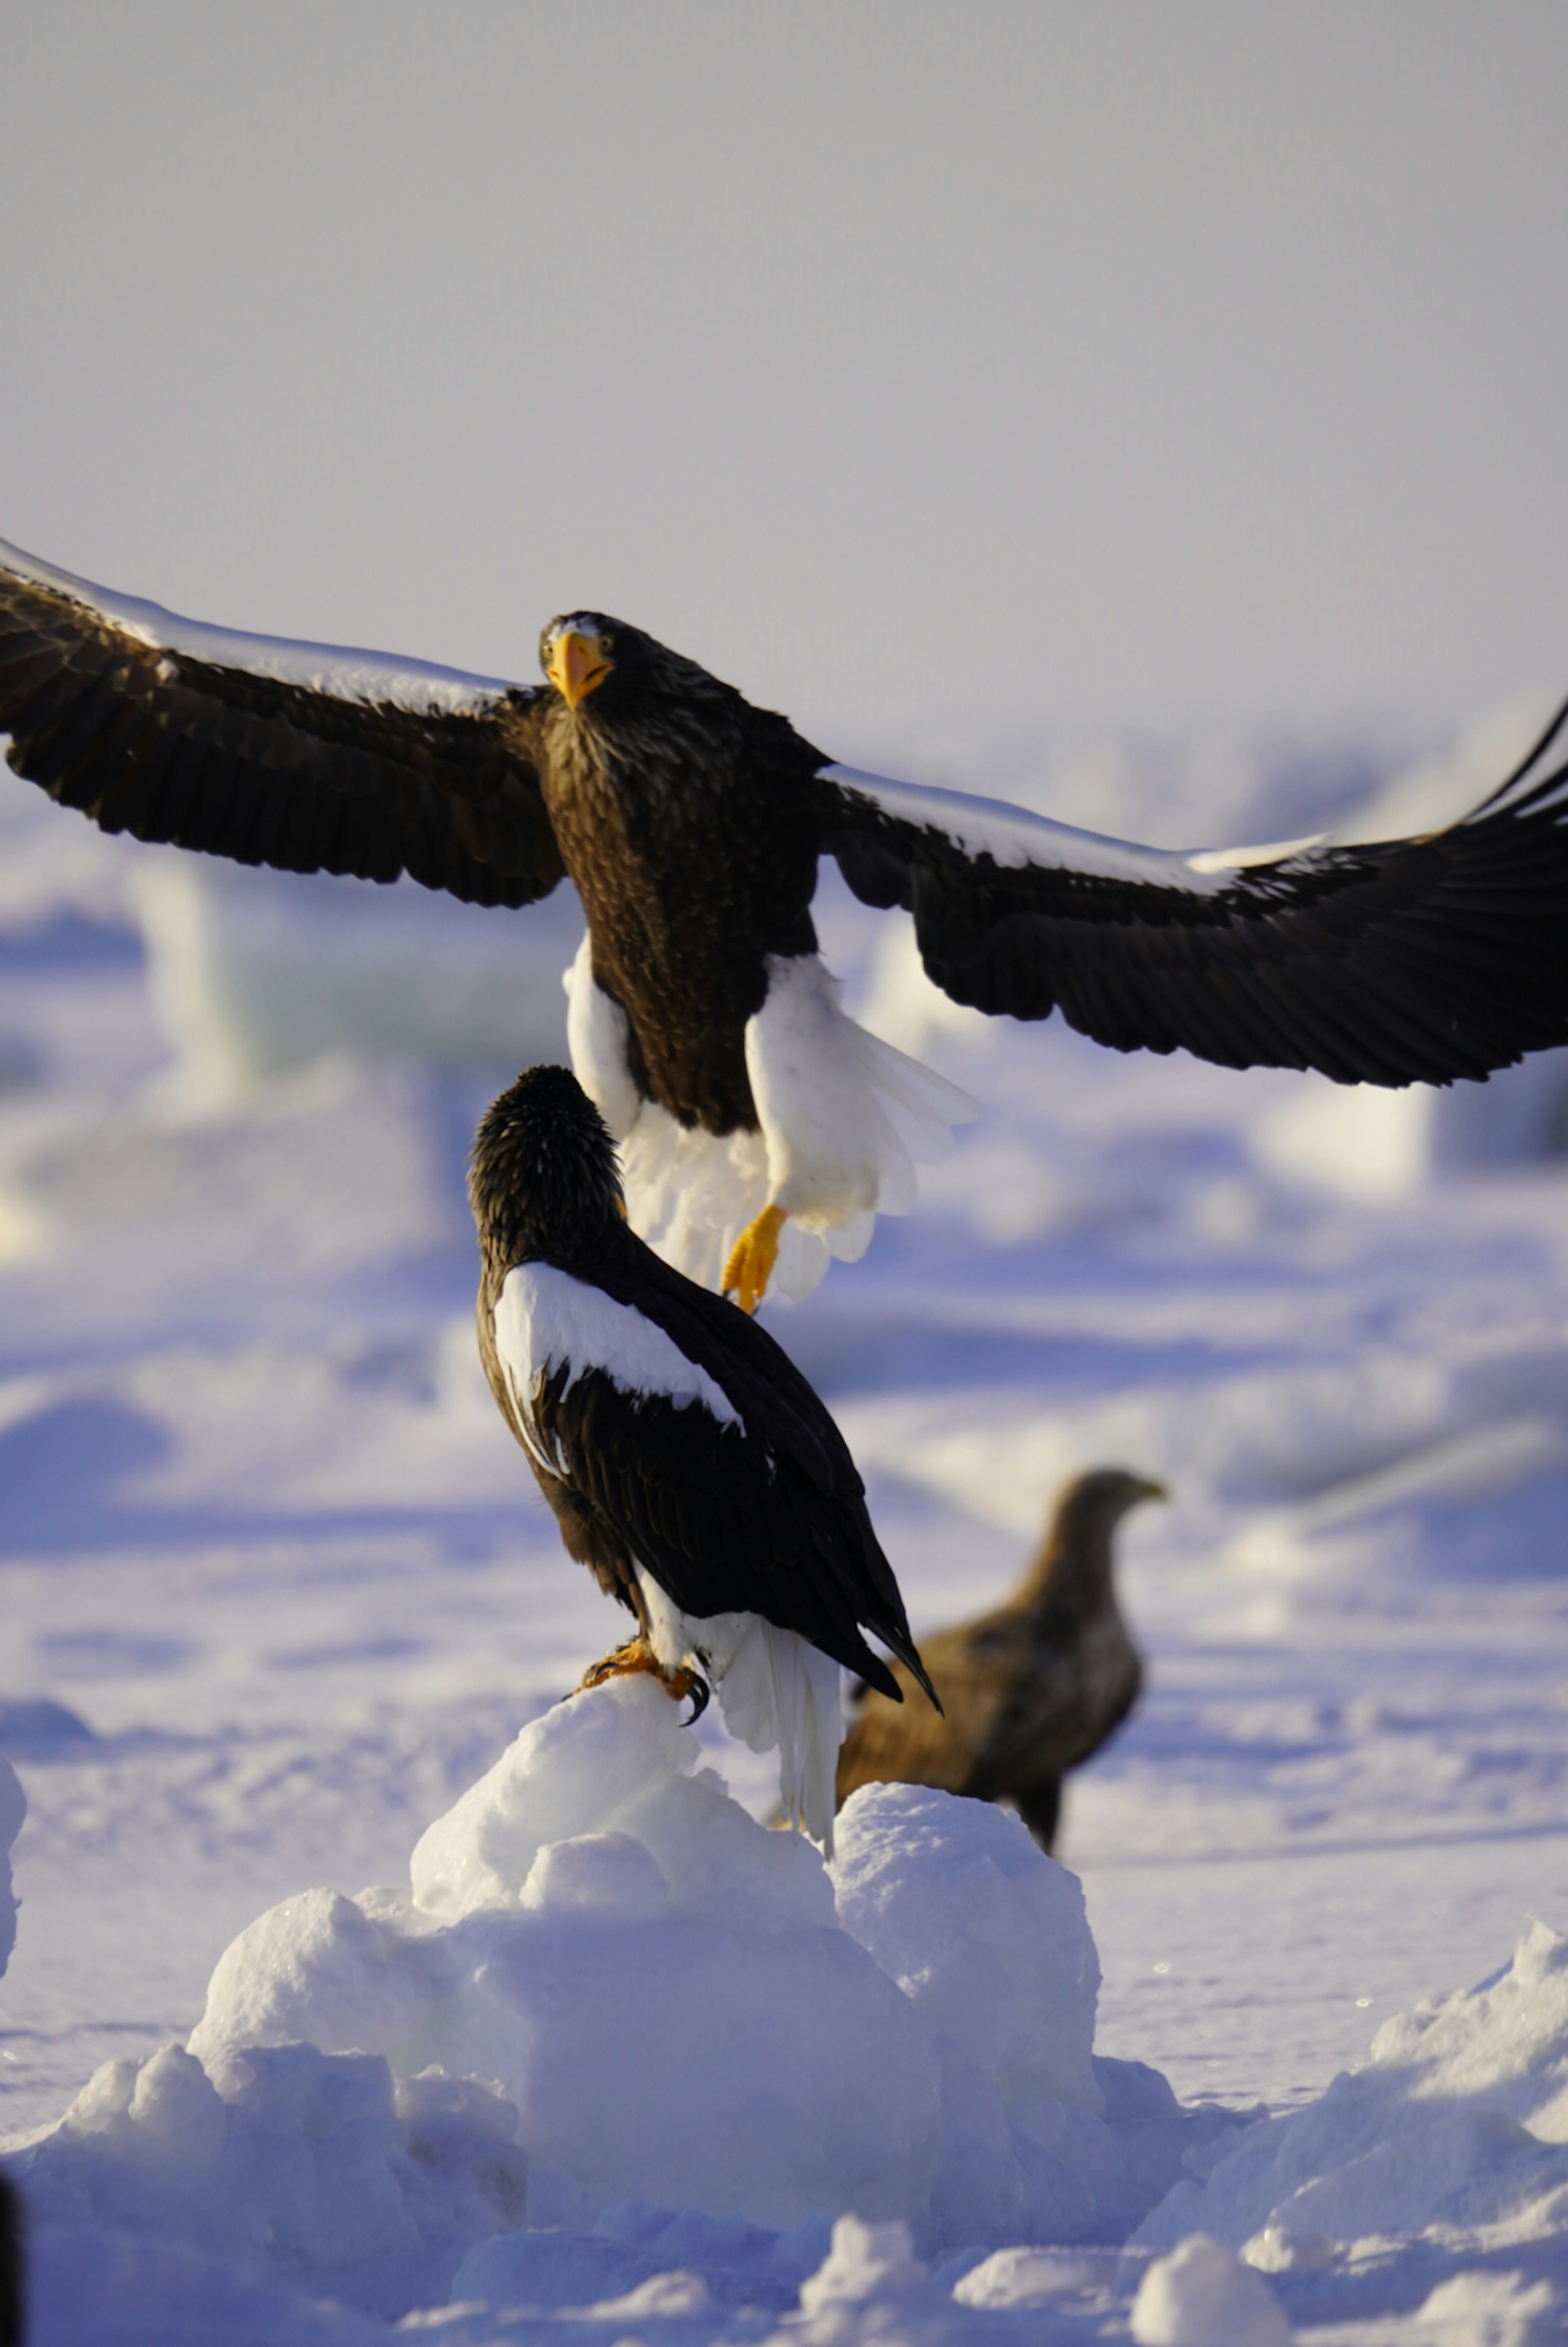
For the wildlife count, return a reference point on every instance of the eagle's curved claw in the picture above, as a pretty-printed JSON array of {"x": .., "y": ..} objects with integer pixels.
[
  {"x": 752, "y": 1259},
  {"x": 623, "y": 1662},
  {"x": 700, "y": 1693}
]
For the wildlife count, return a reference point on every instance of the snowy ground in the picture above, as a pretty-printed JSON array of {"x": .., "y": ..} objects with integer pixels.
[{"x": 270, "y": 1554}]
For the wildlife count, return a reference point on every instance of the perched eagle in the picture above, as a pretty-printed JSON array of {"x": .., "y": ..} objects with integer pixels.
[
  {"x": 758, "y": 1125},
  {"x": 689, "y": 1464},
  {"x": 1028, "y": 1691}
]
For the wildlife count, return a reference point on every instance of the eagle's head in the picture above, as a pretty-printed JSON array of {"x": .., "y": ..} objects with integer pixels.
[
  {"x": 1103, "y": 1496},
  {"x": 1072, "y": 1565},
  {"x": 587, "y": 655},
  {"x": 544, "y": 1179},
  {"x": 581, "y": 651}
]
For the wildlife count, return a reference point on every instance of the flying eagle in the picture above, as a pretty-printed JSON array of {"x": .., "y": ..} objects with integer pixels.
[
  {"x": 689, "y": 1464},
  {"x": 758, "y": 1125},
  {"x": 1027, "y": 1691}
]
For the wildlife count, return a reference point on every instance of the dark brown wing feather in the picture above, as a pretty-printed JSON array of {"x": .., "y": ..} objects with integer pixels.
[
  {"x": 209, "y": 754},
  {"x": 1411, "y": 960},
  {"x": 724, "y": 1523}
]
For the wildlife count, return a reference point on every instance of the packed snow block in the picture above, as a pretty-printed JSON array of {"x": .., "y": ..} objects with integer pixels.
[
  {"x": 323, "y": 2167},
  {"x": 1041, "y": 2139},
  {"x": 1459, "y": 2121},
  {"x": 679, "y": 2036},
  {"x": 950, "y": 1899},
  {"x": 659, "y": 1982},
  {"x": 316, "y": 1969},
  {"x": 690, "y": 2011}
]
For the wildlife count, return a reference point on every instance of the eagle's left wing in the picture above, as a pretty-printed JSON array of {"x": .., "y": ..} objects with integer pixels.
[{"x": 1410, "y": 960}]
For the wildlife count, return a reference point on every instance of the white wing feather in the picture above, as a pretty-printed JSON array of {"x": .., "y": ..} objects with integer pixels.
[
  {"x": 1016, "y": 839},
  {"x": 376, "y": 679}
]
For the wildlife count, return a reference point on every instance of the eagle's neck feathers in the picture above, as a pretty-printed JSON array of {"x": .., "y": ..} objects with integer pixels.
[{"x": 1070, "y": 1575}]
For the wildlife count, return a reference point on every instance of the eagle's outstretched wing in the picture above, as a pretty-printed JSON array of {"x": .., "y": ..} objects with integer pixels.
[
  {"x": 1410, "y": 960},
  {"x": 304, "y": 756}
]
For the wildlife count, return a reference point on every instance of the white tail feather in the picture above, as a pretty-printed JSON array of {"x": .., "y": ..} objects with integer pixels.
[
  {"x": 845, "y": 1119},
  {"x": 780, "y": 1690},
  {"x": 776, "y": 1691}
]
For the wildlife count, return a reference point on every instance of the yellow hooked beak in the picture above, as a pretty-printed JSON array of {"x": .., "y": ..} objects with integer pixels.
[{"x": 578, "y": 663}]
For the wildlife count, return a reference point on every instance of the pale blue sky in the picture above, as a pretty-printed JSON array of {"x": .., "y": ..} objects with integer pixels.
[{"x": 891, "y": 359}]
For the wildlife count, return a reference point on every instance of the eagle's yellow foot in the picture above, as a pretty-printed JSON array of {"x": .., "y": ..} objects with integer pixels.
[
  {"x": 752, "y": 1259},
  {"x": 622, "y": 1662}
]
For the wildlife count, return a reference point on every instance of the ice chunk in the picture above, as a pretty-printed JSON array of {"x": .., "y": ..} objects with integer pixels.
[
  {"x": 254, "y": 971},
  {"x": 871, "y": 2263},
  {"x": 953, "y": 1898},
  {"x": 1025, "y": 2278},
  {"x": 550, "y": 2270},
  {"x": 1491, "y": 2309}
]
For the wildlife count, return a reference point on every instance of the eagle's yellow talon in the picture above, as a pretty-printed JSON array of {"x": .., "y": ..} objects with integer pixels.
[
  {"x": 752, "y": 1259},
  {"x": 624, "y": 1662}
]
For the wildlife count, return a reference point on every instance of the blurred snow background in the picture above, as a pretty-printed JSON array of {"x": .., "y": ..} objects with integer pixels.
[
  {"x": 266, "y": 1540},
  {"x": 278, "y": 1587}
]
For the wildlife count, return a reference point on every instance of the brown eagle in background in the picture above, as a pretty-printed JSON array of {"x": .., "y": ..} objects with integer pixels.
[{"x": 1027, "y": 1691}]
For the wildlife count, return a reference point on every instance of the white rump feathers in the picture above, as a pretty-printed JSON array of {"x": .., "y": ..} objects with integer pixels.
[{"x": 844, "y": 1118}]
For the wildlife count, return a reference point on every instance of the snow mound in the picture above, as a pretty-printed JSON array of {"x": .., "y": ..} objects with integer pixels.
[
  {"x": 1203, "y": 2296},
  {"x": 342, "y": 2178},
  {"x": 1458, "y": 2122},
  {"x": 13, "y": 1811},
  {"x": 611, "y": 1986},
  {"x": 1490, "y": 2310}
]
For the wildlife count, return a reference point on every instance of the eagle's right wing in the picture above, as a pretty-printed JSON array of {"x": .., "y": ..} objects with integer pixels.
[{"x": 303, "y": 756}]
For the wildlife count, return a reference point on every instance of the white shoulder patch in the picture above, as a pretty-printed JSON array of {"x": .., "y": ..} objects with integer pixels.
[
  {"x": 417, "y": 686},
  {"x": 545, "y": 1319},
  {"x": 1016, "y": 839}
]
